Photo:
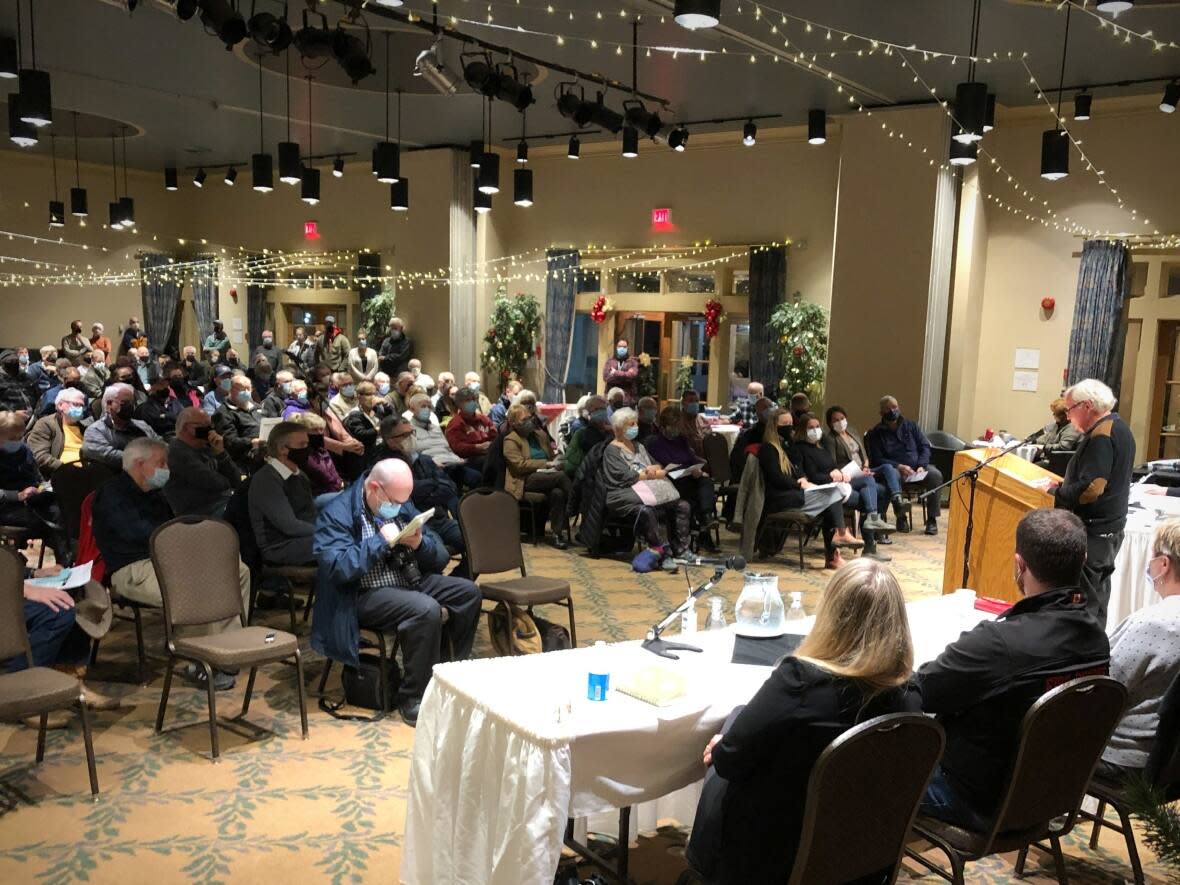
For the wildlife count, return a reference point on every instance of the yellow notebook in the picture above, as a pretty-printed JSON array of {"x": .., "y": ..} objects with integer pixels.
[{"x": 654, "y": 684}]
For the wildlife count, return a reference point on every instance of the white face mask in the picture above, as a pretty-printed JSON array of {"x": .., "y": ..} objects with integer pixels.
[
  {"x": 840, "y": 426},
  {"x": 1151, "y": 579},
  {"x": 815, "y": 434}
]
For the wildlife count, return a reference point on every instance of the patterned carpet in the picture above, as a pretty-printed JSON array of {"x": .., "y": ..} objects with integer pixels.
[{"x": 330, "y": 809}]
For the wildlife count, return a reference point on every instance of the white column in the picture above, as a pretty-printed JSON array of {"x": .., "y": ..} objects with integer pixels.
[
  {"x": 942, "y": 250},
  {"x": 464, "y": 337}
]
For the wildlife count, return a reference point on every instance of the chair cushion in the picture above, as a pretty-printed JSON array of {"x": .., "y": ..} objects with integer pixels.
[
  {"x": 296, "y": 574},
  {"x": 789, "y": 517},
  {"x": 36, "y": 690},
  {"x": 238, "y": 648},
  {"x": 530, "y": 590},
  {"x": 964, "y": 841}
]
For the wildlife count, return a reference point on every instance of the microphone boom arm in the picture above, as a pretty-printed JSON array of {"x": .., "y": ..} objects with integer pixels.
[{"x": 655, "y": 644}]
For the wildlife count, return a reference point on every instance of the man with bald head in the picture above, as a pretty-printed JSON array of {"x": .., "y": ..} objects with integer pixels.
[
  {"x": 201, "y": 475},
  {"x": 369, "y": 577}
]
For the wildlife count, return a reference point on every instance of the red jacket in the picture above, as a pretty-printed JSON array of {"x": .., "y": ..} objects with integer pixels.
[{"x": 465, "y": 432}]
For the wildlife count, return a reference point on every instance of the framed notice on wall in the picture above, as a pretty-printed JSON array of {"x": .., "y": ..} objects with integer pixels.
[
  {"x": 1027, "y": 358},
  {"x": 1024, "y": 380}
]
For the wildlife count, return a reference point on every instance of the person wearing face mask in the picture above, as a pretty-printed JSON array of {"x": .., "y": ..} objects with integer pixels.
[
  {"x": 239, "y": 422},
  {"x": 648, "y": 408},
  {"x": 364, "y": 420},
  {"x": 126, "y": 511},
  {"x": 899, "y": 442},
  {"x": 56, "y": 439},
  {"x": 369, "y": 577},
  {"x": 747, "y": 443},
  {"x": 846, "y": 445},
  {"x": 303, "y": 352},
  {"x": 201, "y": 475},
  {"x": 787, "y": 488},
  {"x": 421, "y": 378},
  {"x": 320, "y": 468},
  {"x": 22, "y": 502},
  {"x": 499, "y": 411},
  {"x": 275, "y": 400},
  {"x": 105, "y": 439},
  {"x": 596, "y": 430},
  {"x": 471, "y": 382},
  {"x": 347, "y": 452},
  {"x": 616, "y": 398},
  {"x": 470, "y": 433},
  {"x": 133, "y": 337},
  {"x": 147, "y": 369},
  {"x": 17, "y": 392},
  {"x": 345, "y": 399},
  {"x": 262, "y": 376},
  {"x": 223, "y": 379},
  {"x": 67, "y": 377},
  {"x": 163, "y": 406},
  {"x": 982, "y": 685},
  {"x": 217, "y": 340},
  {"x": 334, "y": 345},
  {"x": 818, "y": 465},
  {"x": 362, "y": 359},
  {"x": 93, "y": 373},
  {"x": 667, "y": 447},
  {"x": 75, "y": 344},
  {"x": 196, "y": 373},
  {"x": 429, "y": 439},
  {"x": 622, "y": 371},
  {"x": 268, "y": 349},
  {"x": 396, "y": 349},
  {"x": 43, "y": 372},
  {"x": 297, "y": 400},
  {"x": 694, "y": 424},
  {"x": 399, "y": 396},
  {"x": 531, "y": 465},
  {"x": 282, "y": 506}
]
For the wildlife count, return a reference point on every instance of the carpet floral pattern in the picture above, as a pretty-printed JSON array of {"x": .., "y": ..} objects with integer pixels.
[{"x": 330, "y": 809}]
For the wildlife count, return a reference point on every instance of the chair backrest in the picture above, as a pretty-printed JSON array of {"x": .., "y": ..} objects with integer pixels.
[
  {"x": 196, "y": 562},
  {"x": 862, "y": 797},
  {"x": 490, "y": 522},
  {"x": 71, "y": 484},
  {"x": 1163, "y": 762},
  {"x": 1059, "y": 461},
  {"x": 716, "y": 451},
  {"x": 1061, "y": 738},
  {"x": 14, "y": 638},
  {"x": 943, "y": 440}
]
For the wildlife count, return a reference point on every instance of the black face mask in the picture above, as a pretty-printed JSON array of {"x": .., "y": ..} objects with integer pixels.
[
  {"x": 179, "y": 386},
  {"x": 161, "y": 395},
  {"x": 892, "y": 415},
  {"x": 126, "y": 410},
  {"x": 315, "y": 442},
  {"x": 524, "y": 428},
  {"x": 299, "y": 456},
  {"x": 202, "y": 432},
  {"x": 784, "y": 433}
]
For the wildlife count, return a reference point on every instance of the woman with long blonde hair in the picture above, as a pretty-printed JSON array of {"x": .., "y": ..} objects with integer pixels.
[{"x": 854, "y": 665}]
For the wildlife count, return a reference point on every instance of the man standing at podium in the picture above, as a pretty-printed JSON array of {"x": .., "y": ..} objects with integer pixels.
[{"x": 1097, "y": 484}]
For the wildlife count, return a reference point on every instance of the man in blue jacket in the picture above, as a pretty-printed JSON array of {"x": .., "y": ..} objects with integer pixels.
[
  {"x": 367, "y": 578},
  {"x": 901, "y": 442}
]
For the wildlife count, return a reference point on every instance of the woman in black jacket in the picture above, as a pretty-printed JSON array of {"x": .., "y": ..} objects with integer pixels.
[
  {"x": 853, "y": 666},
  {"x": 788, "y": 489},
  {"x": 820, "y": 467}
]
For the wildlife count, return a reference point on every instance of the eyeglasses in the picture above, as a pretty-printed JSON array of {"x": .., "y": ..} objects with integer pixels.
[{"x": 1075, "y": 405}]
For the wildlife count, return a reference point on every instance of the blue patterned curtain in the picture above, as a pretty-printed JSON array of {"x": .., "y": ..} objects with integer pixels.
[
  {"x": 160, "y": 299},
  {"x": 1099, "y": 331},
  {"x": 205, "y": 297},
  {"x": 768, "y": 287},
  {"x": 561, "y": 292}
]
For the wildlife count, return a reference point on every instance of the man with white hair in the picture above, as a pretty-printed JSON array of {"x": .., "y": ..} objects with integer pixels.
[
  {"x": 43, "y": 373},
  {"x": 99, "y": 339},
  {"x": 105, "y": 439},
  {"x": 743, "y": 407},
  {"x": 421, "y": 378},
  {"x": 471, "y": 382},
  {"x": 127, "y": 510},
  {"x": 370, "y": 577},
  {"x": 396, "y": 349},
  {"x": 238, "y": 420},
  {"x": 57, "y": 439},
  {"x": 268, "y": 349},
  {"x": 1097, "y": 484}
]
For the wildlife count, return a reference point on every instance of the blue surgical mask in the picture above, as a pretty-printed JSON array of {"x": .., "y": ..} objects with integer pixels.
[
  {"x": 225, "y": 384},
  {"x": 389, "y": 510},
  {"x": 244, "y": 397},
  {"x": 632, "y": 432},
  {"x": 301, "y": 399},
  {"x": 621, "y": 352},
  {"x": 424, "y": 415},
  {"x": 469, "y": 407},
  {"x": 285, "y": 388},
  {"x": 599, "y": 417},
  {"x": 383, "y": 389},
  {"x": 24, "y": 359},
  {"x": 473, "y": 386},
  {"x": 1151, "y": 579},
  {"x": 11, "y": 447},
  {"x": 159, "y": 479},
  {"x": 348, "y": 391},
  {"x": 75, "y": 413},
  {"x": 691, "y": 408}
]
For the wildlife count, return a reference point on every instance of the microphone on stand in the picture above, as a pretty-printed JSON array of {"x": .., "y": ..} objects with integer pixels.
[
  {"x": 662, "y": 647},
  {"x": 730, "y": 563}
]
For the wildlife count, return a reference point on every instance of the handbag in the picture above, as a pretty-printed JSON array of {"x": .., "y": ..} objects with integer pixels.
[
  {"x": 516, "y": 631},
  {"x": 362, "y": 685},
  {"x": 654, "y": 492}
]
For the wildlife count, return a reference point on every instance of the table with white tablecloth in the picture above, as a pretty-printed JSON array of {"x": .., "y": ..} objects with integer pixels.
[
  {"x": 507, "y": 749},
  {"x": 1129, "y": 589},
  {"x": 729, "y": 431}
]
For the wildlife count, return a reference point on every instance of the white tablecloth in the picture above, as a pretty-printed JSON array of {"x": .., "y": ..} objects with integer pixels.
[
  {"x": 507, "y": 748},
  {"x": 729, "y": 431},
  {"x": 1129, "y": 590}
]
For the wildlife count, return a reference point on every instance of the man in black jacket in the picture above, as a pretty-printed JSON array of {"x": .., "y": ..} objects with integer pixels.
[
  {"x": 201, "y": 475},
  {"x": 1097, "y": 484},
  {"x": 396, "y": 349},
  {"x": 239, "y": 421},
  {"x": 981, "y": 686}
]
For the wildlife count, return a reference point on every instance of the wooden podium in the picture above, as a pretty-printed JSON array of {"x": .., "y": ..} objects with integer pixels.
[{"x": 1002, "y": 496}]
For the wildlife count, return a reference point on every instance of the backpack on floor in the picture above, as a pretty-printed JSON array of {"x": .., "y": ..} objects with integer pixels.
[
  {"x": 362, "y": 685},
  {"x": 516, "y": 631}
]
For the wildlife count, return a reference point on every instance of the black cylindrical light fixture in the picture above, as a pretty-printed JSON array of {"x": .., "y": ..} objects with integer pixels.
[
  {"x": 522, "y": 151},
  {"x": 338, "y": 167},
  {"x": 57, "y": 213},
  {"x": 231, "y": 175},
  {"x": 522, "y": 187},
  {"x": 20, "y": 133},
  {"x": 310, "y": 191},
  {"x": 817, "y": 126},
  {"x": 199, "y": 178},
  {"x": 127, "y": 212},
  {"x": 694, "y": 14},
  {"x": 170, "y": 180},
  {"x": 970, "y": 110},
  {"x": 261, "y": 173},
  {"x": 989, "y": 113},
  {"x": 1054, "y": 155},
  {"x": 9, "y": 65},
  {"x": 36, "y": 102},
  {"x": 475, "y": 153},
  {"x": 1081, "y": 105},
  {"x": 374, "y": 161},
  {"x": 630, "y": 142},
  {"x": 290, "y": 164},
  {"x": 488, "y": 181},
  {"x": 963, "y": 153},
  {"x": 78, "y": 202},
  {"x": 114, "y": 216},
  {"x": 1171, "y": 98},
  {"x": 574, "y": 151},
  {"x": 750, "y": 133},
  {"x": 388, "y": 162},
  {"x": 399, "y": 195},
  {"x": 481, "y": 202}
]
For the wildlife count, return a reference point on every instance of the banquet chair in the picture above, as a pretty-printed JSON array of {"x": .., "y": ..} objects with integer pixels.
[
  {"x": 34, "y": 691},
  {"x": 1162, "y": 772},
  {"x": 196, "y": 563},
  {"x": 72, "y": 484},
  {"x": 489, "y": 521},
  {"x": 1061, "y": 737},
  {"x": 716, "y": 451},
  {"x": 17, "y": 538}
]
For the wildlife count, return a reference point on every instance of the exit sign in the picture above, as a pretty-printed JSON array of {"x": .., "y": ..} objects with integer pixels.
[
  {"x": 311, "y": 230},
  {"x": 661, "y": 217}
]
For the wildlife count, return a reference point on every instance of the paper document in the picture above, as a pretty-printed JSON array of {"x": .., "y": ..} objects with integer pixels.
[
  {"x": 69, "y": 578},
  {"x": 683, "y": 471},
  {"x": 413, "y": 525},
  {"x": 852, "y": 470},
  {"x": 917, "y": 476},
  {"x": 266, "y": 425}
]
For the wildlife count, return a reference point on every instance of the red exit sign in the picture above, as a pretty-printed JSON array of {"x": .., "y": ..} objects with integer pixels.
[
  {"x": 311, "y": 230},
  {"x": 661, "y": 217}
]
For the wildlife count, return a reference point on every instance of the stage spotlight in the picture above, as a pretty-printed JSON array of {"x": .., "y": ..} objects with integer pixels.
[
  {"x": 750, "y": 134},
  {"x": 311, "y": 42},
  {"x": 640, "y": 118},
  {"x": 268, "y": 30},
  {"x": 487, "y": 79},
  {"x": 199, "y": 178},
  {"x": 224, "y": 21},
  {"x": 231, "y": 175},
  {"x": 352, "y": 55},
  {"x": 428, "y": 65},
  {"x": 694, "y": 14}
]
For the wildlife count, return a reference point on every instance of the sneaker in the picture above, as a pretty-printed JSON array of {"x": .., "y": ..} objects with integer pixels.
[
  {"x": 222, "y": 681},
  {"x": 645, "y": 561},
  {"x": 878, "y": 555},
  {"x": 931, "y": 527},
  {"x": 877, "y": 524}
]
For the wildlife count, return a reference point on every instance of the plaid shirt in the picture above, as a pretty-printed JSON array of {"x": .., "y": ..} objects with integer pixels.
[
  {"x": 743, "y": 411},
  {"x": 382, "y": 574}
]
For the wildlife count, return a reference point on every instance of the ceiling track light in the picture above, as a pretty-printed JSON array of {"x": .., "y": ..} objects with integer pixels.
[
  {"x": 574, "y": 106},
  {"x": 262, "y": 177},
  {"x": 351, "y": 54},
  {"x": 989, "y": 113},
  {"x": 493, "y": 81},
  {"x": 399, "y": 195},
  {"x": 750, "y": 133},
  {"x": 269, "y": 31},
  {"x": 171, "y": 182},
  {"x": 338, "y": 167},
  {"x": 428, "y": 65},
  {"x": 640, "y": 118},
  {"x": 817, "y": 126},
  {"x": 199, "y": 178},
  {"x": 697, "y": 14},
  {"x": 522, "y": 187},
  {"x": 220, "y": 17},
  {"x": 574, "y": 150},
  {"x": 1081, "y": 105},
  {"x": 231, "y": 175},
  {"x": 1054, "y": 155},
  {"x": 963, "y": 153},
  {"x": 488, "y": 181},
  {"x": 1171, "y": 97},
  {"x": 481, "y": 202},
  {"x": 630, "y": 142}
]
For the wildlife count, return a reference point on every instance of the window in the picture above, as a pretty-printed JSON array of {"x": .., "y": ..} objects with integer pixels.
[
  {"x": 688, "y": 340},
  {"x": 645, "y": 281},
  {"x": 313, "y": 314},
  {"x": 739, "y": 354},
  {"x": 741, "y": 282},
  {"x": 692, "y": 282},
  {"x": 582, "y": 377},
  {"x": 589, "y": 281}
]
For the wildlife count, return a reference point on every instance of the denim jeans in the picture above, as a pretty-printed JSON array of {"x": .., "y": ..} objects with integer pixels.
[
  {"x": 887, "y": 476},
  {"x": 47, "y": 634},
  {"x": 864, "y": 495},
  {"x": 941, "y": 801}
]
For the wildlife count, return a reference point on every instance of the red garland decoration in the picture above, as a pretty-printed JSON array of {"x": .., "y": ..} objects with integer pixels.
[
  {"x": 598, "y": 311},
  {"x": 713, "y": 315}
]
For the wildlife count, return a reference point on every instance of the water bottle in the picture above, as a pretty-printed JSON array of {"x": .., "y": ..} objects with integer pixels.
[
  {"x": 688, "y": 617},
  {"x": 716, "y": 620},
  {"x": 796, "y": 612},
  {"x": 598, "y": 680}
]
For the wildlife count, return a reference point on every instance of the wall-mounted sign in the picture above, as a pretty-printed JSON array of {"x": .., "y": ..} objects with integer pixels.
[{"x": 311, "y": 230}]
